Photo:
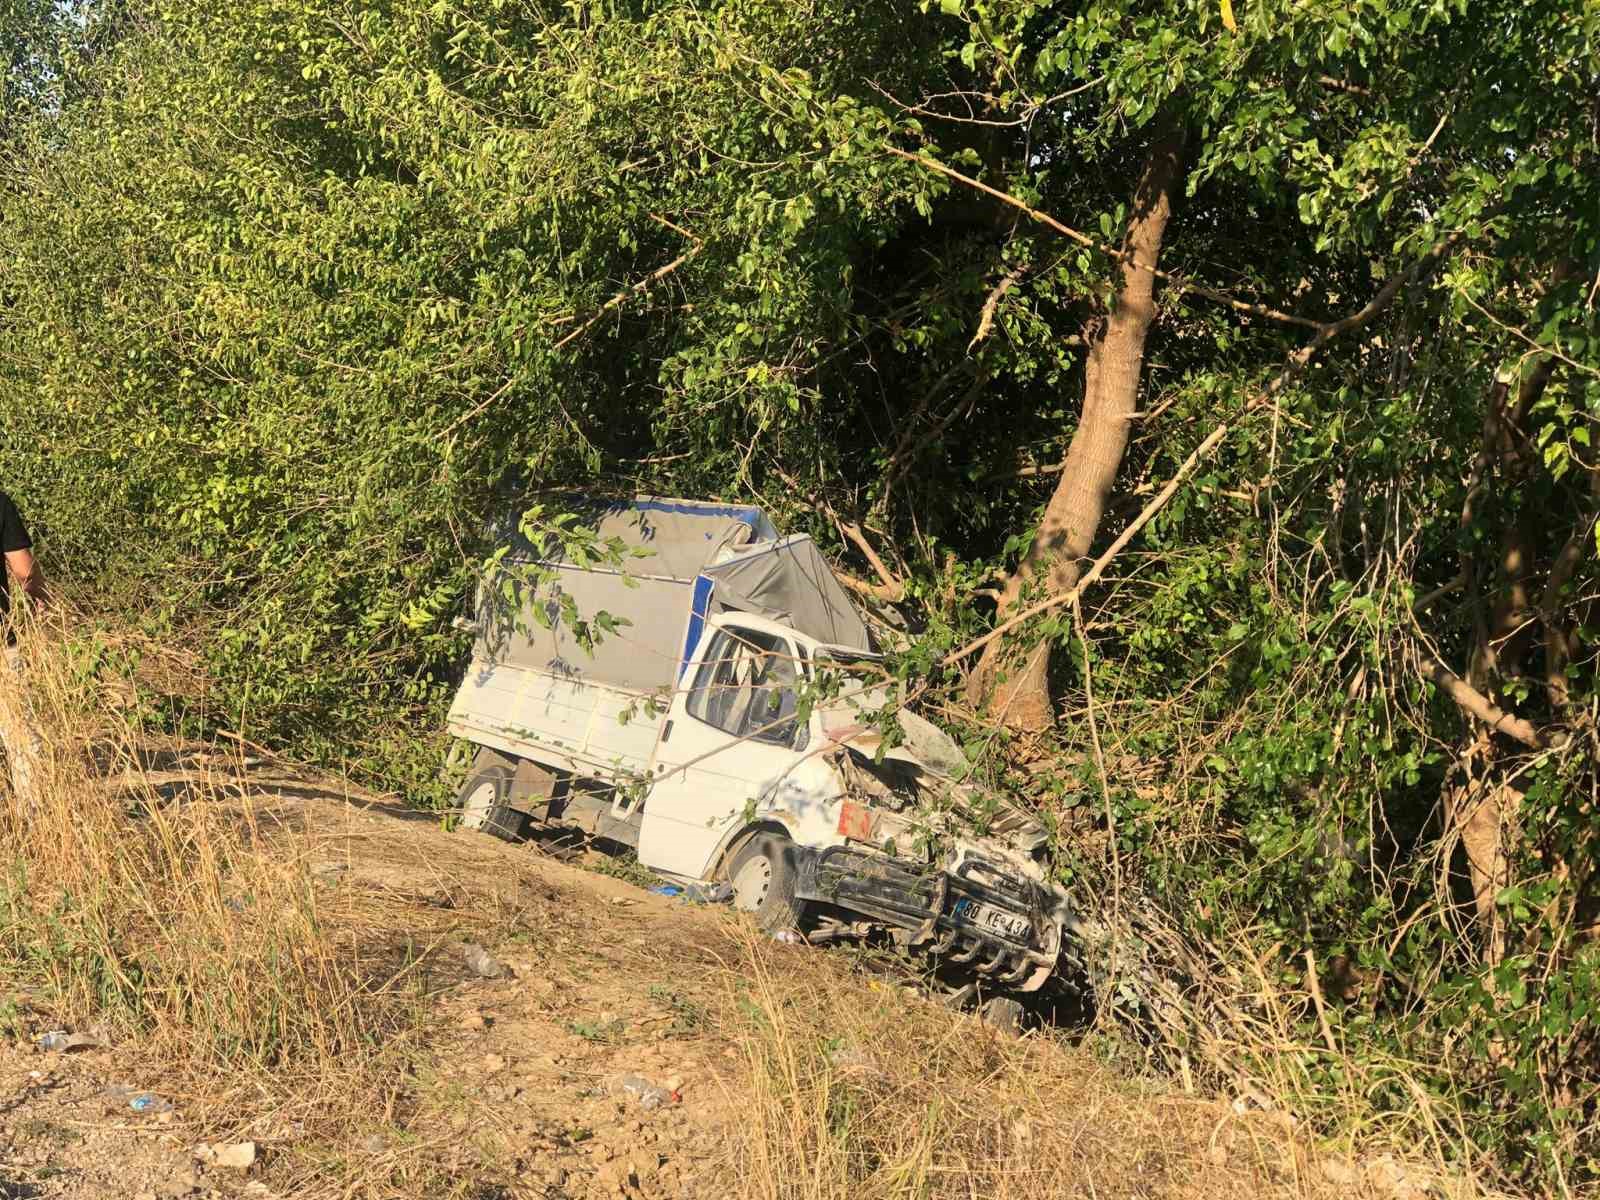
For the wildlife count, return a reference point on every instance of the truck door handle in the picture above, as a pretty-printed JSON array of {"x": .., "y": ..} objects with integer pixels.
[{"x": 666, "y": 731}]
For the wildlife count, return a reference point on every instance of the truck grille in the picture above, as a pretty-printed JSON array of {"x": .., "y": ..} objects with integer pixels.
[{"x": 936, "y": 909}]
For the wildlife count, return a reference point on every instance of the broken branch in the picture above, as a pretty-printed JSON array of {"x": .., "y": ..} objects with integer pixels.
[
  {"x": 888, "y": 593},
  {"x": 893, "y": 588},
  {"x": 644, "y": 284},
  {"x": 1094, "y": 572}
]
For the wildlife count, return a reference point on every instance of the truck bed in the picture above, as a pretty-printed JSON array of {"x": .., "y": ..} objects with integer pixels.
[{"x": 572, "y": 724}]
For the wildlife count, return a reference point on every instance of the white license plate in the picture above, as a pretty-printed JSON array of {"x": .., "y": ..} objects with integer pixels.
[{"x": 995, "y": 920}]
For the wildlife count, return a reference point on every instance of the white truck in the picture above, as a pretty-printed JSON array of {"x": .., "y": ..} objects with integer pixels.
[{"x": 692, "y": 734}]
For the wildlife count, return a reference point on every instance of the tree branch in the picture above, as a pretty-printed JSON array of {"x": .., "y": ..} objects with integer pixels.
[
  {"x": 888, "y": 593},
  {"x": 1083, "y": 239},
  {"x": 1478, "y": 706},
  {"x": 1439, "y": 593},
  {"x": 1343, "y": 85},
  {"x": 905, "y": 454},
  {"x": 642, "y": 285},
  {"x": 1557, "y": 635},
  {"x": 893, "y": 588},
  {"x": 986, "y": 317},
  {"x": 1095, "y": 571}
]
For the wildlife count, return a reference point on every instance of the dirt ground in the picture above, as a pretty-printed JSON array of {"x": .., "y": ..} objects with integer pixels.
[
  {"x": 517, "y": 1085},
  {"x": 522, "y": 1082}
]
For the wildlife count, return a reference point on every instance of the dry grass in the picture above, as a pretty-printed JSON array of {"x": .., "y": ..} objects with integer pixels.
[
  {"x": 152, "y": 908},
  {"x": 868, "y": 1092},
  {"x": 883, "y": 1096},
  {"x": 185, "y": 917},
  {"x": 1232, "y": 1019}
]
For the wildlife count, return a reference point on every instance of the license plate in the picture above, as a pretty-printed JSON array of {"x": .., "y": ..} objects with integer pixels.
[{"x": 995, "y": 920}]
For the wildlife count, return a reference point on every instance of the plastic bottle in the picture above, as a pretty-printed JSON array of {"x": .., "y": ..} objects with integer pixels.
[
  {"x": 708, "y": 893},
  {"x": 646, "y": 1093},
  {"x": 56, "y": 1039},
  {"x": 148, "y": 1102}
]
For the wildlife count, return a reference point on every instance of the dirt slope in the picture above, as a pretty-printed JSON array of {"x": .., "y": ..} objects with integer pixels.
[{"x": 791, "y": 1072}]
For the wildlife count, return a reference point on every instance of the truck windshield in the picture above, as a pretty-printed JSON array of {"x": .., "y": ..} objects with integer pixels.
[{"x": 746, "y": 687}]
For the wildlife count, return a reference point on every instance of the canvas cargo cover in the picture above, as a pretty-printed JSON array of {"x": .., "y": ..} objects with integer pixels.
[
  {"x": 704, "y": 559},
  {"x": 682, "y": 536},
  {"x": 641, "y": 656}
]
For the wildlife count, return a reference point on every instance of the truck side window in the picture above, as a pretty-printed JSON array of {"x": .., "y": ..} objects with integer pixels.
[{"x": 746, "y": 687}]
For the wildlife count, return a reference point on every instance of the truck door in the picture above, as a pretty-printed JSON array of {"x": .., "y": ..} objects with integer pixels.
[{"x": 731, "y": 742}]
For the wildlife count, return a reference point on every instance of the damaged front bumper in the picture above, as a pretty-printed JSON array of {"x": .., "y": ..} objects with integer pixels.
[{"x": 975, "y": 914}]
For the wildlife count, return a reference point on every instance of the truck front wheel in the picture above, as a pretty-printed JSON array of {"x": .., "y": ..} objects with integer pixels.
[{"x": 764, "y": 876}]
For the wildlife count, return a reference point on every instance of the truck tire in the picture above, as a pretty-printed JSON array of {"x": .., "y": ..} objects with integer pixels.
[
  {"x": 484, "y": 800},
  {"x": 763, "y": 875}
]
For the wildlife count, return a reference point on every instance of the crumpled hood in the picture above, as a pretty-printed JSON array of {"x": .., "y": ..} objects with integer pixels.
[{"x": 926, "y": 765}]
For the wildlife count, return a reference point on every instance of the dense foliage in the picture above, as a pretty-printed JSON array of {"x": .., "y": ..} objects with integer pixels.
[{"x": 298, "y": 293}]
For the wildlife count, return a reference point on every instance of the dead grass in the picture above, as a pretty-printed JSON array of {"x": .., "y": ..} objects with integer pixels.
[
  {"x": 862, "y": 1090},
  {"x": 157, "y": 911},
  {"x": 179, "y": 909},
  {"x": 1228, "y": 1018},
  {"x": 876, "y": 1096}
]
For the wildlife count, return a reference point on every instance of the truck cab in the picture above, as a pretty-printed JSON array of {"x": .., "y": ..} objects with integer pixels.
[{"x": 862, "y": 824}]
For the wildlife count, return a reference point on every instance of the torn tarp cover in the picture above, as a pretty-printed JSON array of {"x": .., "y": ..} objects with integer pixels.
[{"x": 789, "y": 581}]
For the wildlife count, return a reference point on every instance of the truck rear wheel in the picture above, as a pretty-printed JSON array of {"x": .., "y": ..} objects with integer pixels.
[
  {"x": 764, "y": 876},
  {"x": 484, "y": 800}
]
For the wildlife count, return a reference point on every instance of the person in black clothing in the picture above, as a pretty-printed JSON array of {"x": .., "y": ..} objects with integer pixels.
[
  {"x": 18, "y": 738},
  {"x": 17, "y": 547}
]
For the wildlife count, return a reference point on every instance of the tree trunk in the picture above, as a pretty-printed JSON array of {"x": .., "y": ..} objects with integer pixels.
[
  {"x": 1484, "y": 813},
  {"x": 1478, "y": 809},
  {"x": 1017, "y": 686}
]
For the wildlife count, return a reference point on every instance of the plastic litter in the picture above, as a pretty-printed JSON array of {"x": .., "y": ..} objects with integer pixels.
[
  {"x": 236, "y": 1156},
  {"x": 122, "y": 1095},
  {"x": 708, "y": 893},
  {"x": 649, "y": 1095},
  {"x": 789, "y": 937},
  {"x": 481, "y": 962},
  {"x": 56, "y": 1039},
  {"x": 696, "y": 893}
]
